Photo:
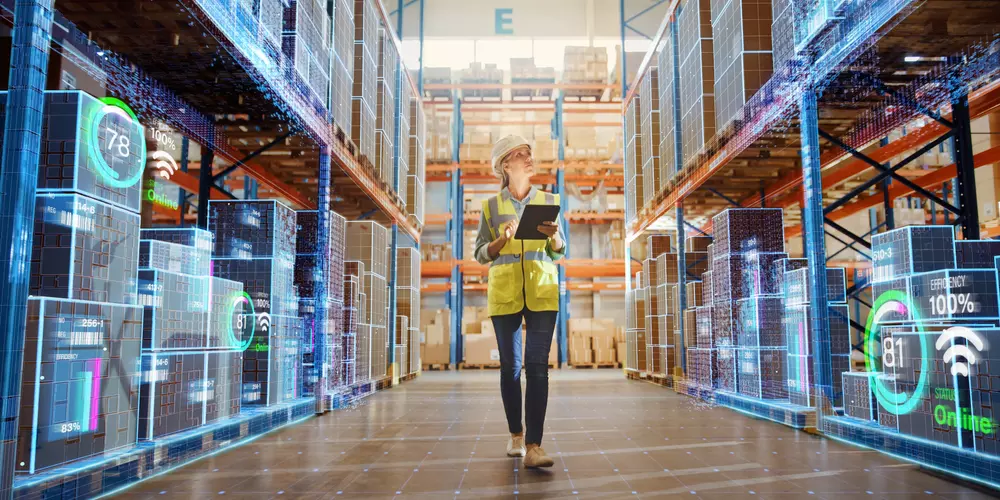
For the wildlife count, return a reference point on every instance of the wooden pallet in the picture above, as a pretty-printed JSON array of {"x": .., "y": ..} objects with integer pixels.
[
  {"x": 436, "y": 367},
  {"x": 662, "y": 380},
  {"x": 466, "y": 366},
  {"x": 595, "y": 365},
  {"x": 408, "y": 377}
]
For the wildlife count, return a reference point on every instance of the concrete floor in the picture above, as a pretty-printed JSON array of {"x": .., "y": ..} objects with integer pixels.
[{"x": 443, "y": 436}]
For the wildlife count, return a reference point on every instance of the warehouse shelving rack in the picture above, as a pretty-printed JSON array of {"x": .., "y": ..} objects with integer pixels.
[
  {"x": 253, "y": 113},
  {"x": 865, "y": 69},
  {"x": 460, "y": 173}
]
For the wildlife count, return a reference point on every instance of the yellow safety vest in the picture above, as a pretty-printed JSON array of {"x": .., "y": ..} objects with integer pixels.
[{"x": 523, "y": 273}]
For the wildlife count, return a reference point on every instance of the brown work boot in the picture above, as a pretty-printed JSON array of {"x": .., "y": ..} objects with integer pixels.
[
  {"x": 536, "y": 457},
  {"x": 515, "y": 445}
]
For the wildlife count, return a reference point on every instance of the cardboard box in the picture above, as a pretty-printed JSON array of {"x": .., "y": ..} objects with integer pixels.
[
  {"x": 620, "y": 352},
  {"x": 580, "y": 351},
  {"x": 435, "y": 354},
  {"x": 481, "y": 349}
]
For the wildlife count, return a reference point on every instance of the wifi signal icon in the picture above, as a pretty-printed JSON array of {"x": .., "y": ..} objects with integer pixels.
[
  {"x": 953, "y": 353},
  {"x": 264, "y": 321},
  {"x": 163, "y": 163}
]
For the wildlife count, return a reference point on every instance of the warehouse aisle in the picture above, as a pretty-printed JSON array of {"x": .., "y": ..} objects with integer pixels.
[{"x": 443, "y": 436}]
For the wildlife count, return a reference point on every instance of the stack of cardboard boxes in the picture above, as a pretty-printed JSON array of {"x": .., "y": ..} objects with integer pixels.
[
  {"x": 438, "y": 134},
  {"x": 585, "y": 65},
  {"x": 436, "y": 346},
  {"x": 437, "y": 75},
  {"x": 436, "y": 252},
  {"x": 478, "y": 338},
  {"x": 480, "y": 73},
  {"x": 523, "y": 70},
  {"x": 595, "y": 341}
]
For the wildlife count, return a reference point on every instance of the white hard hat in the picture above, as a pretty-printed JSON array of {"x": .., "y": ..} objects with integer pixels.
[{"x": 502, "y": 147}]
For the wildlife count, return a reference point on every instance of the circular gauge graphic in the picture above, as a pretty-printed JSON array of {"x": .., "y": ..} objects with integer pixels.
[
  {"x": 897, "y": 403},
  {"x": 117, "y": 144},
  {"x": 241, "y": 321}
]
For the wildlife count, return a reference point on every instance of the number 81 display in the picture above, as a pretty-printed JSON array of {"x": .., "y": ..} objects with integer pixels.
[{"x": 894, "y": 302}]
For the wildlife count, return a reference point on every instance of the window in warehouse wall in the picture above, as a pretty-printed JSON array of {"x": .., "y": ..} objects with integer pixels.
[
  {"x": 410, "y": 49},
  {"x": 458, "y": 53},
  {"x": 451, "y": 53},
  {"x": 550, "y": 53},
  {"x": 500, "y": 52}
]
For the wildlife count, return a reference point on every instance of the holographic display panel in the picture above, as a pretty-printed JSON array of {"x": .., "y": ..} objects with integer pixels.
[{"x": 80, "y": 395}]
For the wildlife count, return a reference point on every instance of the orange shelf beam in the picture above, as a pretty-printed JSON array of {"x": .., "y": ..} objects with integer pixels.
[
  {"x": 981, "y": 103},
  {"x": 897, "y": 190},
  {"x": 436, "y": 219}
]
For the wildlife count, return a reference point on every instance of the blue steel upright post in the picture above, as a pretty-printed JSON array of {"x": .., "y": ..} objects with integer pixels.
[
  {"x": 624, "y": 88},
  {"x": 815, "y": 251},
  {"x": 457, "y": 226},
  {"x": 675, "y": 73},
  {"x": 18, "y": 181},
  {"x": 322, "y": 294},
  {"x": 400, "y": 75},
  {"x": 563, "y": 325}
]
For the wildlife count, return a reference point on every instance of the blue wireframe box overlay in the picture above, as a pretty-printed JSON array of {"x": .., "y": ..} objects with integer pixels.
[
  {"x": 175, "y": 310},
  {"x": 193, "y": 245},
  {"x": 182, "y": 391},
  {"x": 760, "y": 275},
  {"x": 738, "y": 230},
  {"x": 859, "y": 400},
  {"x": 173, "y": 258},
  {"x": 172, "y": 393},
  {"x": 976, "y": 254},
  {"x": 760, "y": 322},
  {"x": 252, "y": 229},
  {"x": 912, "y": 249},
  {"x": 80, "y": 392},
  {"x": 84, "y": 249},
  {"x": 198, "y": 240},
  {"x": 306, "y": 44},
  {"x": 762, "y": 373},
  {"x": 984, "y": 407},
  {"x": 90, "y": 147}
]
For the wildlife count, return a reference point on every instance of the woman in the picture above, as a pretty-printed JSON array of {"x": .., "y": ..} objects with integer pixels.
[{"x": 523, "y": 283}]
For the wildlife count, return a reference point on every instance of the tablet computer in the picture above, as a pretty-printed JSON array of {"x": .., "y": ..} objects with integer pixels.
[{"x": 534, "y": 216}]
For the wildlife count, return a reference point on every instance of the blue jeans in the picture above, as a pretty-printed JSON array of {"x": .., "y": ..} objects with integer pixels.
[{"x": 540, "y": 327}]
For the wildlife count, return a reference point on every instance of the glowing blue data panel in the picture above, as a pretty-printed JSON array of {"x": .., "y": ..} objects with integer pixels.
[
  {"x": 913, "y": 249},
  {"x": 958, "y": 294},
  {"x": 84, "y": 249},
  {"x": 80, "y": 392},
  {"x": 91, "y": 146}
]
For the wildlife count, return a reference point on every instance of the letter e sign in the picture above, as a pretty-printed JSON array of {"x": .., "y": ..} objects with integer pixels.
[{"x": 504, "y": 18}]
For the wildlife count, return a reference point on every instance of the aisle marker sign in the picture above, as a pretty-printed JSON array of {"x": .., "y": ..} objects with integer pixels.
[{"x": 504, "y": 18}]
